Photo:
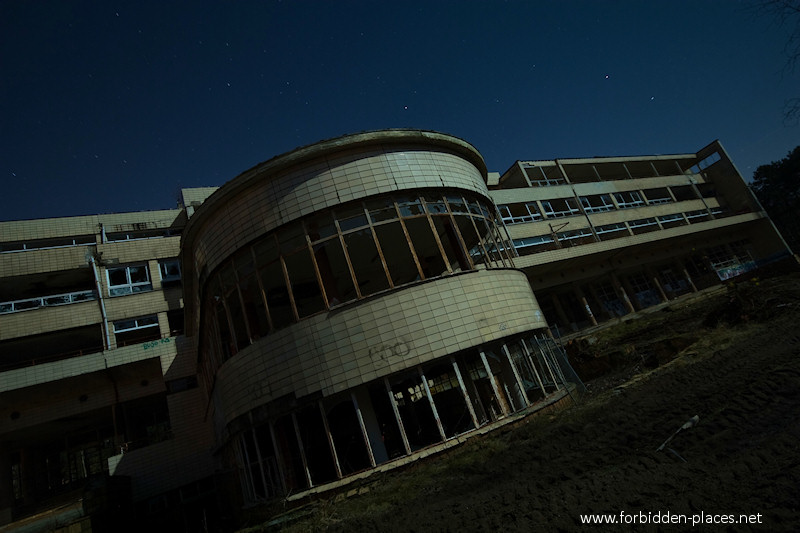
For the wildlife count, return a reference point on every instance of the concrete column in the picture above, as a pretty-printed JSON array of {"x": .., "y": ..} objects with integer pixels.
[
  {"x": 433, "y": 405},
  {"x": 397, "y": 416},
  {"x": 582, "y": 298},
  {"x": 302, "y": 451},
  {"x": 260, "y": 459},
  {"x": 654, "y": 276},
  {"x": 621, "y": 290},
  {"x": 6, "y": 486},
  {"x": 329, "y": 436},
  {"x": 559, "y": 309},
  {"x": 688, "y": 277},
  {"x": 363, "y": 429},
  {"x": 278, "y": 457},
  {"x": 521, "y": 385},
  {"x": 464, "y": 392},
  {"x": 500, "y": 400},
  {"x": 597, "y": 299}
]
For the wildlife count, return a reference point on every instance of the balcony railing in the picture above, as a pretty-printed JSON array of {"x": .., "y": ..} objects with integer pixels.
[{"x": 46, "y": 301}]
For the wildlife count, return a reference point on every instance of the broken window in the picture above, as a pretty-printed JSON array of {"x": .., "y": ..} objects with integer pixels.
[
  {"x": 697, "y": 216},
  {"x": 234, "y": 305},
  {"x": 300, "y": 269},
  {"x": 425, "y": 247},
  {"x": 366, "y": 261},
  {"x": 597, "y": 203},
  {"x": 671, "y": 221},
  {"x": 170, "y": 270},
  {"x": 628, "y": 199},
  {"x": 255, "y": 311},
  {"x": 643, "y": 225},
  {"x": 529, "y": 245},
  {"x": 657, "y": 196},
  {"x": 575, "y": 237},
  {"x": 270, "y": 269},
  {"x": 402, "y": 267},
  {"x": 519, "y": 213},
  {"x": 128, "y": 279},
  {"x": 560, "y": 207},
  {"x": 612, "y": 231},
  {"x": 136, "y": 330}
]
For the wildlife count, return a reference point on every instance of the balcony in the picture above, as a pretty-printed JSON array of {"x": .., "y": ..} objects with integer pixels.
[{"x": 47, "y": 301}]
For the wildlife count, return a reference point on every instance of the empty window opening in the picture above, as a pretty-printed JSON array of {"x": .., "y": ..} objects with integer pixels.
[
  {"x": 319, "y": 458},
  {"x": 170, "y": 270},
  {"x": 612, "y": 231},
  {"x": 136, "y": 330},
  {"x": 175, "y": 319},
  {"x": 561, "y": 207},
  {"x": 416, "y": 413},
  {"x": 597, "y": 203},
  {"x": 657, "y": 196},
  {"x": 626, "y": 200},
  {"x": 348, "y": 437},
  {"x": 671, "y": 221},
  {"x": 643, "y": 225},
  {"x": 519, "y": 213}
]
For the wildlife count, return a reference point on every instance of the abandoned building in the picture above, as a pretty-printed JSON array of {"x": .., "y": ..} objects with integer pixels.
[{"x": 346, "y": 305}]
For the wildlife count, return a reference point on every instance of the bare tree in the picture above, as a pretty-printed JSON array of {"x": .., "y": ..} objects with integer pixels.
[{"x": 786, "y": 13}]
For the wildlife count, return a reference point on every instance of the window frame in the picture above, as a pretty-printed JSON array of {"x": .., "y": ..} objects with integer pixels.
[{"x": 133, "y": 287}]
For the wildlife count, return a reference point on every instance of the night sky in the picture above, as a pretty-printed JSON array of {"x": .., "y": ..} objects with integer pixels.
[{"x": 114, "y": 106}]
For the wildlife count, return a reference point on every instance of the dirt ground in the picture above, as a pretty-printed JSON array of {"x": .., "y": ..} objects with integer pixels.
[{"x": 735, "y": 364}]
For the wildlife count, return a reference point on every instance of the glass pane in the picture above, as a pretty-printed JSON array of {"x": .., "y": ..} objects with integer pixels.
[
  {"x": 366, "y": 262},
  {"x": 397, "y": 253},
  {"x": 320, "y": 226},
  {"x": 474, "y": 208},
  {"x": 435, "y": 204},
  {"x": 334, "y": 271},
  {"x": 351, "y": 217},
  {"x": 381, "y": 209},
  {"x": 280, "y": 308},
  {"x": 428, "y": 254},
  {"x": 410, "y": 206},
  {"x": 305, "y": 289},
  {"x": 138, "y": 274},
  {"x": 457, "y": 204}
]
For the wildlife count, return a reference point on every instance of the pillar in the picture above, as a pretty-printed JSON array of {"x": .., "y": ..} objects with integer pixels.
[{"x": 582, "y": 298}]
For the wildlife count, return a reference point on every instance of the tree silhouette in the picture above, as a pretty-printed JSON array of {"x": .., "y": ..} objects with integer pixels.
[
  {"x": 787, "y": 13},
  {"x": 777, "y": 187}
]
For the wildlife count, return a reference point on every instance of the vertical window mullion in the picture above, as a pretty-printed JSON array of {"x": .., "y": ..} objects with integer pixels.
[
  {"x": 261, "y": 290},
  {"x": 310, "y": 248},
  {"x": 347, "y": 257},
  {"x": 487, "y": 257},
  {"x": 238, "y": 290},
  {"x": 288, "y": 285},
  {"x": 380, "y": 250},
  {"x": 461, "y": 242},
  {"x": 408, "y": 241},
  {"x": 438, "y": 240}
]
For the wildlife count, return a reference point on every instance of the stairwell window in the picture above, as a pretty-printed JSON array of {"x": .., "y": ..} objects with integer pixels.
[
  {"x": 136, "y": 330},
  {"x": 128, "y": 279},
  {"x": 170, "y": 272}
]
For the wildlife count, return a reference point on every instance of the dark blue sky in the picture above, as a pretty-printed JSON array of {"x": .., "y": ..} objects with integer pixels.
[{"x": 114, "y": 106}]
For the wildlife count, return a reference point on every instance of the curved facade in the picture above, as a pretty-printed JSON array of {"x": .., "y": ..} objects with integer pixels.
[{"x": 355, "y": 301}]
